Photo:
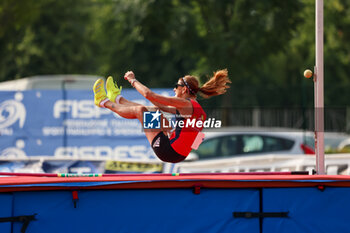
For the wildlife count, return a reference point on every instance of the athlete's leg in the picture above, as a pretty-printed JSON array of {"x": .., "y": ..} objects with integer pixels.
[
  {"x": 122, "y": 100},
  {"x": 124, "y": 110},
  {"x": 162, "y": 149},
  {"x": 133, "y": 112},
  {"x": 114, "y": 93}
]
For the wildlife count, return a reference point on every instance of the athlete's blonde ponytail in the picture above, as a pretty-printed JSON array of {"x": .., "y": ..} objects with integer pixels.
[{"x": 216, "y": 85}]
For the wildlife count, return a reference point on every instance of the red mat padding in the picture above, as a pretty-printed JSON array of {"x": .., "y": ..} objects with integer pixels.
[{"x": 29, "y": 183}]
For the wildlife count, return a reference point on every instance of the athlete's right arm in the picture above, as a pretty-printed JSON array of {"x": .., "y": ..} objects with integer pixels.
[{"x": 156, "y": 99}]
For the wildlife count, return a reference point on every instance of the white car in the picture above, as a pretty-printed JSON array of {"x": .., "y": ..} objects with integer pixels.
[
  {"x": 233, "y": 142},
  {"x": 344, "y": 146}
]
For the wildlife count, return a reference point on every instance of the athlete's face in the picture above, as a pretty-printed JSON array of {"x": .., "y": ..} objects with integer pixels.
[{"x": 179, "y": 89}]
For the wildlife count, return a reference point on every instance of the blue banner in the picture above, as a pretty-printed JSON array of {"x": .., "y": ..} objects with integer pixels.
[{"x": 67, "y": 124}]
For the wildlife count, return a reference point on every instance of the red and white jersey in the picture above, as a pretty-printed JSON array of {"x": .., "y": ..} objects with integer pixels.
[{"x": 183, "y": 136}]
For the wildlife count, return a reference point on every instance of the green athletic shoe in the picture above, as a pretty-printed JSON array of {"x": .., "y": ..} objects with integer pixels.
[
  {"x": 112, "y": 89},
  {"x": 99, "y": 92}
]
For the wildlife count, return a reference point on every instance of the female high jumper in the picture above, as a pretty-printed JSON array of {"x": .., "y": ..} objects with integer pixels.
[{"x": 175, "y": 147}]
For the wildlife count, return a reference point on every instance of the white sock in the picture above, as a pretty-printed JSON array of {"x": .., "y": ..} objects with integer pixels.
[
  {"x": 117, "y": 99},
  {"x": 102, "y": 103}
]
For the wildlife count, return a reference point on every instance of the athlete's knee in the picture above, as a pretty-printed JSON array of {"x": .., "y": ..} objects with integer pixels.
[{"x": 140, "y": 110}]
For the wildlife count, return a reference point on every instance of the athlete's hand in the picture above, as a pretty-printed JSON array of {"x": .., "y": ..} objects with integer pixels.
[{"x": 129, "y": 76}]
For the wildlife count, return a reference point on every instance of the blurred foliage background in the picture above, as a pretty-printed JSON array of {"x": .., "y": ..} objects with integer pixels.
[{"x": 265, "y": 45}]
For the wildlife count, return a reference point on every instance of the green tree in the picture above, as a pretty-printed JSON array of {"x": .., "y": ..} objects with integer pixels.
[
  {"x": 14, "y": 16},
  {"x": 265, "y": 45},
  {"x": 45, "y": 37},
  {"x": 241, "y": 35},
  {"x": 162, "y": 40},
  {"x": 146, "y": 37},
  {"x": 288, "y": 65}
]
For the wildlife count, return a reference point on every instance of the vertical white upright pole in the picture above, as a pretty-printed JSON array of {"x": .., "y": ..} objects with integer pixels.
[{"x": 319, "y": 91}]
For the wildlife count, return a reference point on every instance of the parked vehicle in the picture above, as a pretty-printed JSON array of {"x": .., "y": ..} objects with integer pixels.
[
  {"x": 344, "y": 146},
  {"x": 233, "y": 142}
]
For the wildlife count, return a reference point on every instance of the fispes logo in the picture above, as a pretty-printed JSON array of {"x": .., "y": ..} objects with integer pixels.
[
  {"x": 12, "y": 111},
  {"x": 151, "y": 120}
]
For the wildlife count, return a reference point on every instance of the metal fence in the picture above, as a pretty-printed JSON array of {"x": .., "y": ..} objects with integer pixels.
[{"x": 336, "y": 119}]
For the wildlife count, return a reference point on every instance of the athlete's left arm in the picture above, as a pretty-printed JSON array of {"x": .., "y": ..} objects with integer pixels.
[
  {"x": 165, "y": 108},
  {"x": 157, "y": 99}
]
